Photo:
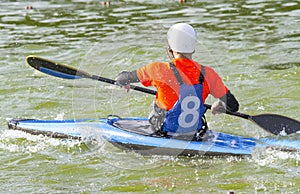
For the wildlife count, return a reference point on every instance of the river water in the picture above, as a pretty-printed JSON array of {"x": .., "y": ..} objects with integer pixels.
[{"x": 253, "y": 45}]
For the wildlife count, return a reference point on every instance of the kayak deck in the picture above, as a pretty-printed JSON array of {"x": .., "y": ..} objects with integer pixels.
[{"x": 141, "y": 139}]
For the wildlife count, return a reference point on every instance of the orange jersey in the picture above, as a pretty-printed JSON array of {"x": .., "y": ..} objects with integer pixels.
[{"x": 161, "y": 76}]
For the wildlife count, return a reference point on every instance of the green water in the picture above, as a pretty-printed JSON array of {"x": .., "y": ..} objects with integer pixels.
[{"x": 253, "y": 45}]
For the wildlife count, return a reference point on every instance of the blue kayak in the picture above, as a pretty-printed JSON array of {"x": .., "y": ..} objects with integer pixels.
[{"x": 136, "y": 134}]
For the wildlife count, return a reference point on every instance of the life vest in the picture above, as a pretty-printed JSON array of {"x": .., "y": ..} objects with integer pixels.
[{"x": 186, "y": 114}]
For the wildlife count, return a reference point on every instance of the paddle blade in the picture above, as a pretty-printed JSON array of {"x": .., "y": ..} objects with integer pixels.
[
  {"x": 277, "y": 124},
  {"x": 55, "y": 69}
]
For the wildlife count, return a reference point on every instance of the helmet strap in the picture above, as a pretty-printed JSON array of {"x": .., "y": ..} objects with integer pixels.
[{"x": 170, "y": 53}]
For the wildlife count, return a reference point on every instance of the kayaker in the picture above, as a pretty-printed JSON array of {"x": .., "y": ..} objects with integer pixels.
[{"x": 182, "y": 86}]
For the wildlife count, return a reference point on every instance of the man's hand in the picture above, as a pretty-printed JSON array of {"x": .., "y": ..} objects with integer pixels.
[
  {"x": 125, "y": 78},
  {"x": 218, "y": 107}
]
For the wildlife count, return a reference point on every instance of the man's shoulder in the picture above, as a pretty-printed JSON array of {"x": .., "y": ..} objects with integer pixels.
[
  {"x": 158, "y": 65},
  {"x": 154, "y": 67}
]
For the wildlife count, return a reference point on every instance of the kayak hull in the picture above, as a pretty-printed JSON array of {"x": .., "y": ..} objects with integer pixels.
[{"x": 216, "y": 144}]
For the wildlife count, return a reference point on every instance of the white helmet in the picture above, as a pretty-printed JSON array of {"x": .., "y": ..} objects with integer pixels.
[{"x": 182, "y": 38}]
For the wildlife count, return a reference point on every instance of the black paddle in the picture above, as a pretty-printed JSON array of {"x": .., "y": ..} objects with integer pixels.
[{"x": 273, "y": 123}]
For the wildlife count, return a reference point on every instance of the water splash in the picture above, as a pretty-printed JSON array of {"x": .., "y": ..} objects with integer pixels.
[{"x": 19, "y": 141}]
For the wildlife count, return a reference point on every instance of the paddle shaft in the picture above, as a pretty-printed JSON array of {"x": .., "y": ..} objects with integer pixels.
[{"x": 63, "y": 71}]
